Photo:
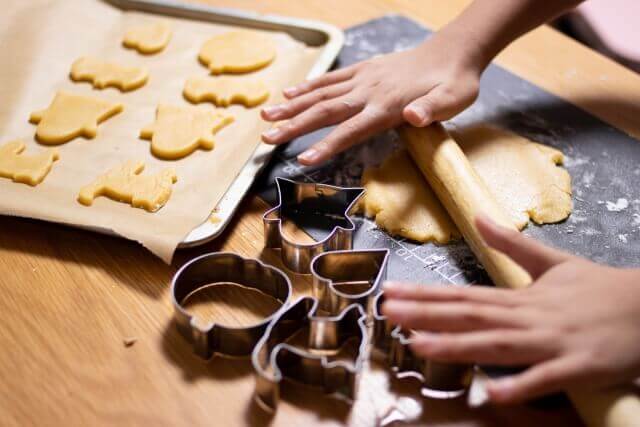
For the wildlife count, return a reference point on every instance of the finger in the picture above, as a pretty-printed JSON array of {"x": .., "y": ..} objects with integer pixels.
[
  {"x": 449, "y": 316},
  {"x": 477, "y": 294},
  {"x": 299, "y": 104},
  {"x": 544, "y": 378},
  {"x": 367, "y": 123},
  {"x": 320, "y": 115},
  {"x": 533, "y": 256},
  {"x": 505, "y": 347},
  {"x": 330, "y": 78},
  {"x": 441, "y": 103}
]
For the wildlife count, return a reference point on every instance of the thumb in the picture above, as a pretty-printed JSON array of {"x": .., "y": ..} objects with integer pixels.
[
  {"x": 441, "y": 103},
  {"x": 533, "y": 256}
]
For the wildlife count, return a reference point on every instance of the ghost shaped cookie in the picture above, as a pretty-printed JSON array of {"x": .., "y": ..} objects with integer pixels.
[
  {"x": 20, "y": 167},
  {"x": 103, "y": 74},
  {"x": 237, "y": 52},
  {"x": 224, "y": 91},
  {"x": 69, "y": 116},
  {"x": 179, "y": 131},
  {"x": 148, "y": 38},
  {"x": 126, "y": 184}
]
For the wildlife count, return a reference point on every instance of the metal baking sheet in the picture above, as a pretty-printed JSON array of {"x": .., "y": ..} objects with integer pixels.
[
  {"x": 312, "y": 33},
  {"x": 603, "y": 161}
]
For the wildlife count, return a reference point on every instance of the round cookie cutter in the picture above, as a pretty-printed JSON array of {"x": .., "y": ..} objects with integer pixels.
[{"x": 224, "y": 267}]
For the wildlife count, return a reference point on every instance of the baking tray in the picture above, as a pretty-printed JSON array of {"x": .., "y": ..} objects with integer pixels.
[{"x": 311, "y": 33}]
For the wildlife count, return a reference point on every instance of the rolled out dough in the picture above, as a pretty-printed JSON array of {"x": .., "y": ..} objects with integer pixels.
[
  {"x": 237, "y": 52},
  {"x": 102, "y": 74},
  {"x": 224, "y": 91},
  {"x": 523, "y": 176},
  {"x": 149, "y": 38}
]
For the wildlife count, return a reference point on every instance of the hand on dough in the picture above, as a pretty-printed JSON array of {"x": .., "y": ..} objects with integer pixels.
[
  {"x": 421, "y": 85},
  {"x": 575, "y": 327}
]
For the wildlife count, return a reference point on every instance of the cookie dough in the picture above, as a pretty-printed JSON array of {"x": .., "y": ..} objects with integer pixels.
[
  {"x": 70, "y": 116},
  {"x": 126, "y": 184},
  {"x": 149, "y": 38},
  {"x": 237, "y": 52},
  {"x": 104, "y": 74},
  {"x": 523, "y": 176},
  {"x": 19, "y": 167},
  {"x": 224, "y": 91},
  {"x": 179, "y": 131}
]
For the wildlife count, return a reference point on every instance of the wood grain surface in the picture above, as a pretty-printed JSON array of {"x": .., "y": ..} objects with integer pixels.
[{"x": 87, "y": 334}]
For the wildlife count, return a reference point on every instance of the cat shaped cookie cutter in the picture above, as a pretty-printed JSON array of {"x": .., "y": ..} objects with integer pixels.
[
  {"x": 300, "y": 203},
  {"x": 225, "y": 268}
]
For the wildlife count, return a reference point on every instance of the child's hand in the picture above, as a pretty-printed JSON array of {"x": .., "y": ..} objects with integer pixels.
[
  {"x": 577, "y": 326},
  {"x": 434, "y": 81}
]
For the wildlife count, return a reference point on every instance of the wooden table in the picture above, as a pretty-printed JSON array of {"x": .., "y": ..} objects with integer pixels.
[{"x": 87, "y": 336}]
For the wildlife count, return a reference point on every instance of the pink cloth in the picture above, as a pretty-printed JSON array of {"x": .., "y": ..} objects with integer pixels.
[{"x": 611, "y": 26}]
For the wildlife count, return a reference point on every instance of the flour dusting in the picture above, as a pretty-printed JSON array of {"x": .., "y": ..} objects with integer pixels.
[{"x": 618, "y": 206}]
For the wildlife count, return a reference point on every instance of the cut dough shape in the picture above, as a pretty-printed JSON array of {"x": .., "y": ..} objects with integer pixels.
[
  {"x": 28, "y": 169},
  {"x": 69, "y": 116},
  {"x": 149, "y": 38},
  {"x": 402, "y": 203},
  {"x": 104, "y": 74},
  {"x": 126, "y": 184},
  {"x": 224, "y": 91},
  {"x": 523, "y": 176},
  {"x": 179, "y": 131},
  {"x": 237, "y": 52}
]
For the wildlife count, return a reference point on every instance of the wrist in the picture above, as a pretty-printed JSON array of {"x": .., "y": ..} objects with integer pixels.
[{"x": 465, "y": 50}]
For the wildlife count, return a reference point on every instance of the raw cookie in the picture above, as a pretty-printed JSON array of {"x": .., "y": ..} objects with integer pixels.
[
  {"x": 523, "y": 176},
  {"x": 103, "y": 74},
  {"x": 148, "y": 38},
  {"x": 126, "y": 184},
  {"x": 401, "y": 202},
  {"x": 237, "y": 52},
  {"x": 179, "y": 131},
  {"x": 69, "y": 116},
  {"x": 224, "y": 91},
  {"x": 23, "y": 168}
]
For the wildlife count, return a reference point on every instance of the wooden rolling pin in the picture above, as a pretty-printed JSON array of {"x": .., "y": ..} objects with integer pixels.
[{"x": 464, "y": 196}]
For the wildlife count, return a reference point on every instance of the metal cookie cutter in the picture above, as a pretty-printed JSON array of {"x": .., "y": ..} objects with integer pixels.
[
  {"x": 275, "y": 358},
  {"x": 220, "y": 268},
  {"x": 439, "y": 380},
  {"x": 310, "y": 204},
  {"x": 341, "y": 278}
]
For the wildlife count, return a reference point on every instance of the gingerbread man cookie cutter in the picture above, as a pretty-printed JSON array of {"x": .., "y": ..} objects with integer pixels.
[
  {"x": 300, "y": 202},
  {"x": 439, "y": 380},
  {"x": 224, "y": 267}
]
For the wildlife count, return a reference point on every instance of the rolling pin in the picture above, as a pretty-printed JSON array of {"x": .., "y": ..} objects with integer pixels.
[{"x": 465, "y": 195}]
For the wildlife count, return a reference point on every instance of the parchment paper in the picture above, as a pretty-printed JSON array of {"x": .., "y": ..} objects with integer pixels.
[{"x": 40, "y": 39}]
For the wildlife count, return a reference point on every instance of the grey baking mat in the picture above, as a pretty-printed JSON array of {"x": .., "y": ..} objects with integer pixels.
[{"x": 603, "y": 162}]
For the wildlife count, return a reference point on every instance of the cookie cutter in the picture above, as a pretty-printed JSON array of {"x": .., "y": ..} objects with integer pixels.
[
  {"x": 341, "y": 278},
  {"x": 304, "y": 203},
  {"x": 219, "y": 268},
  {"x": 274, "y": 358},
  {"x": 439, "y": 380}
]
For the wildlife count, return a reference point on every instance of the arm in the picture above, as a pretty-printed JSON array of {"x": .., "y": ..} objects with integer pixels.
[{"x": 434, "y": 81}]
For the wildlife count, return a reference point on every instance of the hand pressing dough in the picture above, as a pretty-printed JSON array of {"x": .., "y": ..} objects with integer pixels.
[
  {"x": 523, "y": 176},
  {"x": 126, "y": 184},
  {"x": 103, "y": 74},
  {"x": 402, "y": 203},
  {"x": 224, "y": 91},
  {"x": 149, "y": 38},
  {"x": 19, "y": 167},
  {"x": 237, "y": 52},
  {"x": 70, "y": 116},
  {"x": 179, "y": 131}
]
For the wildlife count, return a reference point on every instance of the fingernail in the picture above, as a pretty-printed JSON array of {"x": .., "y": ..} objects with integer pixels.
[
  {"x": 290, "y": 91},
  {"x": 311, "y": 155},
  {"x": 500, "y": 389},
  {"x": 272, "y": 133},
  {"x": 272, "y": 110},
  {"x": 388, "y": 285}
]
